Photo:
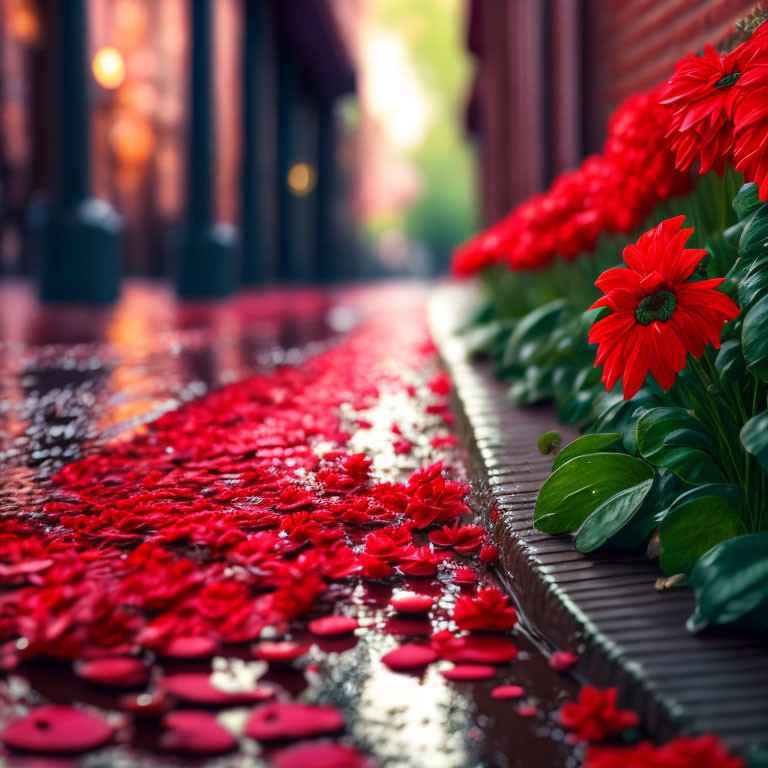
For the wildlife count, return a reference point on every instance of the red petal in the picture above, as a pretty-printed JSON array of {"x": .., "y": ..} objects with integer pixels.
[
  {"x": 197, "y": 688},
  {"x": 333, "y": 625},
  {"x": 507, "y": 692},
  {"x": 189, "y": 648},
  {"x": 411, "y": 602},
  {"x": 481, "y": 649},
  {"x": 562, "y": 660},
  {"x": 57, "y": 730},
  {"x": 287, "y": 720},
  {"x": 196, "y": 733},
  {"x": 114, "y": 672},
  {"x": 321, "y": 755},
  {"x": 409, "y": 656},
  {"x": 284, "y": 651},
  {"x": 469, "y": 672}
]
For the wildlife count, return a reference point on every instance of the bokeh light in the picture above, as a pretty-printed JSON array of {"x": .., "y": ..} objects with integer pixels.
[
  {"x": 108, "y": 67},
  {"x": 301, "y": 179}
]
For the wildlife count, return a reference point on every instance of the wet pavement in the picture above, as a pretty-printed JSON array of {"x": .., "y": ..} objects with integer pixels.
[{"x": 73, "y": 379}]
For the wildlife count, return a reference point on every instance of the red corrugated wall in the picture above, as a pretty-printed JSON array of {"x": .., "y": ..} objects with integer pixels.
[{"x": 551, "y": 71}]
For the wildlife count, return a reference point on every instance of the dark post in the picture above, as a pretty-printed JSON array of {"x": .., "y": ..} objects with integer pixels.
[
  {"x": 255, "y": 270},
  {"x": 287, "y": 153},
  {"x": 208, "y": 262},
  {"x": 79, "y": 235},
  {"x": 325, "y": 194}
]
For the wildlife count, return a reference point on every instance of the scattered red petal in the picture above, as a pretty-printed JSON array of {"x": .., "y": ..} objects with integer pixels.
[
  {"x": 57, "y": 730},
  {"x": 284, "y": 651},
  {"x": 197, "y": 688},
  {"x": 507, "y": 692},
  {"x": 469, "y": 672},
  {"x": 480, "y": 649},
  {"x": 526, "y": 710},
  {"x": 562, "y": 660},
  {"x": 199, "y": 647},
  {"x": 321, "y": 755},
  {"x": 490, "y": 610},
  {"x": 411, "y": 602},
  {"x": 409, "y": 656},
  {"x": 489, "y": 554},
  {"x": 196, "y": 733},
  {"x": 114, "y": 672},
  {"x": 333, "y": 625},
  {"x": 288, "y": 720}
]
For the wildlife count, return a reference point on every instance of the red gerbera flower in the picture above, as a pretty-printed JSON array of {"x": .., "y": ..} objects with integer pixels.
[
  {"x": 751, "y": 113},
  {"x": 595, "y": 715},
  {"x": 658, "y": 313},
  {"x": 701, "y": 96}
]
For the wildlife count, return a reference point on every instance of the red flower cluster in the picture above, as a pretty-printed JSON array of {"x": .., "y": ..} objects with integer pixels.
[
  {"x": 702, "y": 752},
  {"x": 595, "y": 716},
  {"x": 612, "y": 192},
  {"x": 714, "y": 108},
  {"x": 658, "y": 313}
]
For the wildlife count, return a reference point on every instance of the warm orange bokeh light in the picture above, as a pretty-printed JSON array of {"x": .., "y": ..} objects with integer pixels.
[
  {"x": 301, "y": 179},
  {"x": 108, "y": 67},
  {"x": 132, "y": 139}
]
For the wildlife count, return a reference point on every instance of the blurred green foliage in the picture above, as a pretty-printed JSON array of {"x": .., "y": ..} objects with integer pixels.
[{"x": 434, "y": 34}]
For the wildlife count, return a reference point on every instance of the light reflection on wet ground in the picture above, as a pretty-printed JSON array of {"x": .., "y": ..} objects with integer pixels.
[{"x": 71, "y": 379}]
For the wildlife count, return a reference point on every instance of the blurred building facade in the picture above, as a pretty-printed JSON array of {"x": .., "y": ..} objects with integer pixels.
[
  {"x": 210, "y": 126},
  {"x": 549, "y": 73}
]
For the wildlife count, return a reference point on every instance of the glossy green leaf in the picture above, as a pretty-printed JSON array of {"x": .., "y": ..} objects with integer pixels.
[
  {"x": 755, "y": 234},
  {"x": 731, "y": 584},
  {"x": 729, "y": 363},
  {"x": 753, "y": 283},
  {"x": 674, "y": 438},
  {"x": 587, "y": 444},
  {"x": 693, "y": 528},
  {"x": 611, "y": 516},
  {"x": 732, "y": 494},
  {"x": 754, "y": 437},
  {"x": 755, "y": 339},
  {"x": 747, "y": 201},
  {"x": 532, "y": 327},
  {"x": 581, "y": 485}
]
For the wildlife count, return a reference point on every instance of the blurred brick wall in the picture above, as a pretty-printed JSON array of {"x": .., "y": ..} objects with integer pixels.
[{"x": 551, "y": 71}]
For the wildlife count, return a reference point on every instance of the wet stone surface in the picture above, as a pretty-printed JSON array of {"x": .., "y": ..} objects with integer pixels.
[{"x": 73, "y": 380}]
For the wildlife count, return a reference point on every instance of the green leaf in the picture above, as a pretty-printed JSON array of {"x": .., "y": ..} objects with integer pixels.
[
  {"x": 587, "y": 444},
  {"x": 611, "y": 516},
  {"x": 693, "y": 528},
  {"x": 676, "y": 439},
  {"x": 581, "y": 485},
  {"x": 747, "y": 201},
  {"x": 532, "y": 328},
  {"x": 755, "y": 234},
  {"x": 754, "y": 339},
  {"x": 623, "y": 416},
  {"x": 730, "y": 363},
  {"x": 733, "y": 495},
  {"x": 753, "y": 283},
  {"x": 754, "y": 437},
  {"x": 549, "y": 442},
  {"x": 731, "y": 584}
]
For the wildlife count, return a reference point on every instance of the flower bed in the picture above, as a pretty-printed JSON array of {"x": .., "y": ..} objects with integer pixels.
[{"x": 677, "y": 463}]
